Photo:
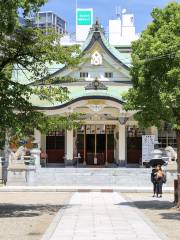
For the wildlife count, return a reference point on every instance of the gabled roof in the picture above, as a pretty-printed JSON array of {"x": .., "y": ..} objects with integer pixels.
[{"x": 97, "y": 34}]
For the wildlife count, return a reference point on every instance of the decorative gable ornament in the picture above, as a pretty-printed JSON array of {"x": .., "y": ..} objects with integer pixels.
[
  {"x": 96, "y": 85},
  {"x": 96, "y": 58},
  {"x": 96, "y": 108}
]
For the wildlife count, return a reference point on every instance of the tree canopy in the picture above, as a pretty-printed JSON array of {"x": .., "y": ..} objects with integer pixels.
[
  {"x": 28, "y": 49},
  {"x": 155, "y": 72}
]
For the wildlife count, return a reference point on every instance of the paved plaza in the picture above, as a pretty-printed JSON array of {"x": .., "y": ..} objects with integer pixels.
[{"x": 101, "y": 216}]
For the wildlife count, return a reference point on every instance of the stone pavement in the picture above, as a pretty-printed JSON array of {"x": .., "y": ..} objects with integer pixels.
[{"x": 102, "y": 216}]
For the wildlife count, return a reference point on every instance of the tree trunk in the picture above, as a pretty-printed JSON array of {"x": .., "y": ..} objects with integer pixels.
[{"x": 178, "y": 164}]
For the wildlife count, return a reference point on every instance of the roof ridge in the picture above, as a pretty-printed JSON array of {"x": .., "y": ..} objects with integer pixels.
[{"x": 97, "y": 28}]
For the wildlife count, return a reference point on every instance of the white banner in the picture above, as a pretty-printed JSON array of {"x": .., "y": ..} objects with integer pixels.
[{"x": 147, "y": 147}]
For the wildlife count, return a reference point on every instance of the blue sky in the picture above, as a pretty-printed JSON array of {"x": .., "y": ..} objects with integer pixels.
[{"x": 105, "y": 10}]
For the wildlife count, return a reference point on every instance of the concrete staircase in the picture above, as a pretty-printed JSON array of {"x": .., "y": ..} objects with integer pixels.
[{"x": 120, "y": 177}]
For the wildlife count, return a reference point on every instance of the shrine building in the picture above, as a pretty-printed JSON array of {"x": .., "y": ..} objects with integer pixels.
[{"x": 108, "y": 134}]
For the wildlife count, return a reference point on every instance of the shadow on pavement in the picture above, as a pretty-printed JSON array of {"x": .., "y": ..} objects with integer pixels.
[
  {"x": 173, "y": 214},
  {"x": 153, "y": 204},
  {"x": 16, "y": 210}
]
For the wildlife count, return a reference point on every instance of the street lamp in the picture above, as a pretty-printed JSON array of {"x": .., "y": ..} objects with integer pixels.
[{"x": 123, "y": 118}]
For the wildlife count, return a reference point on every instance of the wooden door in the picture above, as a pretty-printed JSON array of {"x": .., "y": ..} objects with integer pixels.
[
  {"x": 134, "y": 150},
  {"x": 55, "y": 144}
]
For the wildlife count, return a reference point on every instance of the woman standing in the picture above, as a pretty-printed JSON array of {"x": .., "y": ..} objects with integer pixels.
[
  {"x": 160, "y": 179},
  {"x": 153, "y": 180}
]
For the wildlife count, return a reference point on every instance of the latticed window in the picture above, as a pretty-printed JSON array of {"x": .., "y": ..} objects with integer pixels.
[
  {"x": 108, "y": 75},
  {"x": 55, "y": 140},
  {"x": 84, "y": 74},
  {"x": 167, "y": 137}
]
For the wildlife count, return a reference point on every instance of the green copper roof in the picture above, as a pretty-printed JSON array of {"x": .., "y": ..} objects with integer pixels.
[
  {"x": 125, "y": 58},
  {"x": 79, "y": 91},
  {"x": 23, "y": 76}
]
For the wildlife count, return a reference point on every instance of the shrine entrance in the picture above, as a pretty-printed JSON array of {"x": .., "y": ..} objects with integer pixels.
[
  {"x": 55, "y": 143},
  {"x": 95, "y": 143}
]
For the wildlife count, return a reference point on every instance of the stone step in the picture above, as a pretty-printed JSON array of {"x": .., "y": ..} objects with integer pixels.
[{"x": 97, "y": 177}]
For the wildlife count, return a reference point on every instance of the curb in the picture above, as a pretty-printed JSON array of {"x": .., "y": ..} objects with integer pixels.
[
  {"x": 53, "y": 225},
  {"x": 82, "y": 189}
]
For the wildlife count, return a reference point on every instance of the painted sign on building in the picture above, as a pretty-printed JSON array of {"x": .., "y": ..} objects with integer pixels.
[
  {"x": 84, "y": 21},
  {"x": 84, "y": 17},
  {"x": 147, "y": 147}
]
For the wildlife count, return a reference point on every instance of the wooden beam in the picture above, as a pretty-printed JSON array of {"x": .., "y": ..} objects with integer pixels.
[
  {"x": 84, "y": 162},
  {"x": 106, "y": 143}
]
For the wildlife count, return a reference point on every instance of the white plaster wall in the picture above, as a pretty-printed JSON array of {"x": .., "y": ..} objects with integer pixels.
[
  {"x": 37, "y": 136},
  {"x": 108, "y": 65},
  {"x": 43, "y": 142},
  {"x": 99, "y": 71},
  {"x": 122, "y": 144},
  {"x": 69, "y": 144}
]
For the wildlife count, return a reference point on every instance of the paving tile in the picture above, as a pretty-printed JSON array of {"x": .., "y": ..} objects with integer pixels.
[{"x": 101, "y": 216}]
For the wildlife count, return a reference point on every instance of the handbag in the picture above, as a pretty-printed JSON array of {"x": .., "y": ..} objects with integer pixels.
[{"x": 164, "y": 179}]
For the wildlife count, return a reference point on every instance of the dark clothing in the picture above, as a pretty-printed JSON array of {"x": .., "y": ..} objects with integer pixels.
[
  {"x": 153, "y": 175},
  {"x": 153, "y": 180},
  {"x": 159, "y": 186},
  {"x": 157, "y": 183},
  {"x": 154, "y": 187}
]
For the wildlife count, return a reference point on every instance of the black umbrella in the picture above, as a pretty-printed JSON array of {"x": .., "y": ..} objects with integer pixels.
[{"x": 155, "y": 162}]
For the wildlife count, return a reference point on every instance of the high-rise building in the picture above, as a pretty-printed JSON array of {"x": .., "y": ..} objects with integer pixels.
[
  {"x": 122, "y": 29},
  {"x": 46, "y": 20},
  {"x": 84, "y": 21}
]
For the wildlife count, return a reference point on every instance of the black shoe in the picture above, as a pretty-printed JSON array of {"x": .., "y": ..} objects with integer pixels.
[
  {"x": 160, "y": 196},
  {"x": 153, "y": 195}
]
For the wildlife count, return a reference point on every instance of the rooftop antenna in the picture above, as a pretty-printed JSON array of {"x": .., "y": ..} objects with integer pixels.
[
  {"x": 119, "y": 16},
  {"x": 118, "y": 12},
  {"x": 124, "y": 10}
]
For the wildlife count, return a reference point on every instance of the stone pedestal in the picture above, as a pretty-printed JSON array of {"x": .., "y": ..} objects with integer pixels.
[
  {"x": 31, "y": 175},
  {"x": 95, "y": 160},
  {"x": 35, "y": 153},
  {"x": 68, "y": 162},
  {"x": 21, "y": 175},
  {"x": 17, "y": 174}
]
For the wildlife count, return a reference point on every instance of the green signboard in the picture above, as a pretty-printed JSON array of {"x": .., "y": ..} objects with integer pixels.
[{"x": 84, "y": 17}]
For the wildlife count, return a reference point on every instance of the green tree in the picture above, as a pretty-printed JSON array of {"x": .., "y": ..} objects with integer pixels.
[
  {"x": 155, "y": 73},
  {"x": 28, "y": 50}
]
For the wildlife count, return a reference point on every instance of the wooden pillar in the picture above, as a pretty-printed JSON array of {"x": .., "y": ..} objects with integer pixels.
[
  {"x": 122, "y": 144},
  {"x": 95, "y": 142},
  {"x": 84, "y": 162},
  {"x": 106, "y": 145},
  {"x": 69, "y": 145},
  {"x": 95, "y": 150}
]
